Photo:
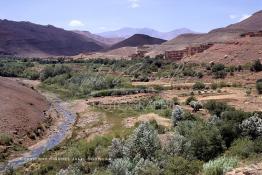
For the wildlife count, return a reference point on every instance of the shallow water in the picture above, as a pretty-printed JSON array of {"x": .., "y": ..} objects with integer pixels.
[{"x": 52, "y": 141}]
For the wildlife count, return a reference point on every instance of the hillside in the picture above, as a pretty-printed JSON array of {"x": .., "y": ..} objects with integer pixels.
[
  {"x": 22, "y": 109},
  {"x": 229, "y": 33},
  {"x": 138, "y": 40},
  {"x": 128, "y": 32},
  {"x": 100, "y": 40},
  {"x": 28, "y": 39}
]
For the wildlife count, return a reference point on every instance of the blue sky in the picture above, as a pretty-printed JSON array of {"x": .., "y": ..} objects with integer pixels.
[{"x": 103, "y": 15}]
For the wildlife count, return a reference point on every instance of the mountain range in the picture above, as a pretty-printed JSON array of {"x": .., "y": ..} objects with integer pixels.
[{"x": 128, "y": 32}]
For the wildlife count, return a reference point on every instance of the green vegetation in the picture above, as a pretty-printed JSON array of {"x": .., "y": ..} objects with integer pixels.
[
  {"x": 259, "y": 86},
  {"x": 257, "y": 66},
  {"x": 5, "y": 139},
  {"x": 219, "y": 166},
  {"x": 199, "y": 86}
]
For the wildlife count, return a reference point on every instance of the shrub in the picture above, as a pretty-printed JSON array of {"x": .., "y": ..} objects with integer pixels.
[
  {"x": 200, "y": 75},
  {"x": 216, "y": 108},
  {"x": 177, "y": 115},
  {"x": 252, "y": 127},
  {"x": 219, "y": 166},
  {"x": 121, "y": 166},
  {"x": 54, "y": 70},
  {"x": 175, "y": 101},
  {"x": 175, "y": 145},
  {"x": 205, "y": 140},
  {"x": 214, "y": 86},
  {"x": 199, "y": 86},
  {"x": 182, "y": 166},
  {"x": 259, "y": 86},
  {"x": 219, "y": 71},
  {"x": 143, "y": 142},
  {"x": 257, "y": 66},
  {"x": 146, "y": 167},
  {"x": 189, "y": 99},
  {"x": 196, "y": 105},
  {"x": 242, "y": 147},
  {"x": 5, "y": 139}
]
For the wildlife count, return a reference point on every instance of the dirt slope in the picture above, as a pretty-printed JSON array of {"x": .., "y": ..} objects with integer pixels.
[
  {"x": 244, "y": 50},
  {"x": 22, "y": 109}
]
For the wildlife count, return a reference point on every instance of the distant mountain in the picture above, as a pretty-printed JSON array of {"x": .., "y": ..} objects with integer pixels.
[
  {"x": 229, "y": 33},
  {"x": 100, "y": 40},
  {"x": 127, "y": 32},
  {"x": 28, "y": 39},
  {"x": 138, "y": 40}
]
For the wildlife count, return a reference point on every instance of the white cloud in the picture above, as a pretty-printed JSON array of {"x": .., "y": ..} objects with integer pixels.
[
  {"x": 239, "y": 17},
  {"x": 243, "y": 17},
  {"x": 134, "y": 3},
  {"x": 76, "y": 23},
  {"x": 232, "y": 16}
]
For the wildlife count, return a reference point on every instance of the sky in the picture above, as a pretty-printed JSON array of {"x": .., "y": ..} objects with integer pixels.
[{"x": 105, "y": 15}]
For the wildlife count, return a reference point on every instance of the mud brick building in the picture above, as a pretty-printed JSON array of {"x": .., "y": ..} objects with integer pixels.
[{"x": 188, "y": 51}]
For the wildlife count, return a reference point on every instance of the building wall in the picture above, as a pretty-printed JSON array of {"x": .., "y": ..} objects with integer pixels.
[{"x": 189, "y": 51}]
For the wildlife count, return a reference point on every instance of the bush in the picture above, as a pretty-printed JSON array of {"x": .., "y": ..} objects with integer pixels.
[
  {"x": 5, "y": 139},
  {"x": 219, "y": 166},
  {"x": 252, "y": 127},
  {"x": 196, "y": 105},
  {"x": 189, "y": 99},
  {"x": 143, "y": 142},
  {"x": 242, "y": 147},
  {"x": 257, "y": 66},
  {"x": 259, "y": 86},
  {"x": 200, "y": 75},
  {"x": 146, "y": 167},
  {"x": 214, "y": 86},
  {"x": 205, "y": 140},
  {"x": 175, "y": 145},
  {"x": 199, "y": 86},
  {"x": 216, "y": 108},
  {"x": 175, "y": 101},
  {"x": 177, "y": 115},
  {"x": 219, "y": 71},
  {"x": 54, "y": 70},
  {"x": 182, "y": 166},
  {"x": 121, "y": 166}
]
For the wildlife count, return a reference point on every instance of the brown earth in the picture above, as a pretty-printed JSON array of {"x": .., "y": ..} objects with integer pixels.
[
  {"x": 22, "y": 109},
  {"x": 242, "y": 51}
]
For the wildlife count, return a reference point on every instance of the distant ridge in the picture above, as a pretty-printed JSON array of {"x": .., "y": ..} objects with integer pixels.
[
  {"x": 128, "y": 32},
  {"x": 229, "y": 33},
  {"x": 28, "y": 39}
]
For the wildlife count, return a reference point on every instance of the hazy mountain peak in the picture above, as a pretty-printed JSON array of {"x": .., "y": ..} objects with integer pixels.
[{"x": 127, "y": 32}]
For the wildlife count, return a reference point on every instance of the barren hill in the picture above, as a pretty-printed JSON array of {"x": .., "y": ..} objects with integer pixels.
[
  {"x": 28, "y": 39},
  {"x": 138, "y": 40}
]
